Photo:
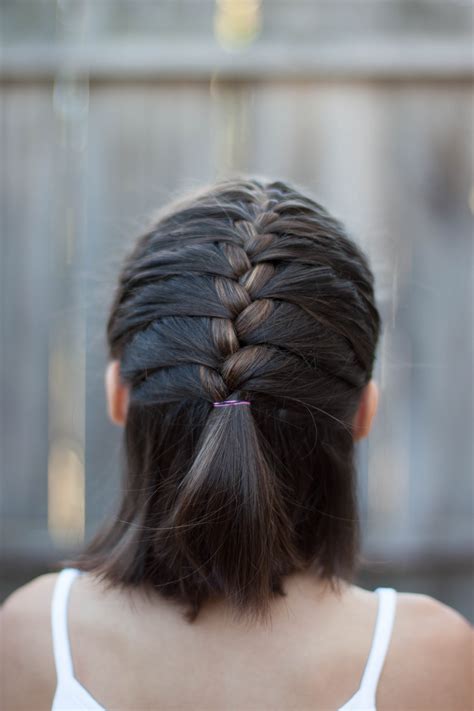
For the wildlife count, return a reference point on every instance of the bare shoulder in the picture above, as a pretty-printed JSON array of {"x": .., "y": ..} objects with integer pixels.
[
  {"x": 431, "y": 654},
  {"x": 27, "y": 665}
]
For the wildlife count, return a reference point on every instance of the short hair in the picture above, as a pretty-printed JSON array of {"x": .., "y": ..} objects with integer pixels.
[{"x": 245, "y": 289}]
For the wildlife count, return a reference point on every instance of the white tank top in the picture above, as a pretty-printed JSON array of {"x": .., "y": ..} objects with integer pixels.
[{"x": 70, "y": 695}]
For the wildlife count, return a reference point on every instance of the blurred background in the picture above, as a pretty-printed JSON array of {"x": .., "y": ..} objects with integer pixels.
[{"x": 111, "y": 108}]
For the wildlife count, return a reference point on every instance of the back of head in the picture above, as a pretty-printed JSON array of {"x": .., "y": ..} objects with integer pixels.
[{"x": 246, "y": 290}]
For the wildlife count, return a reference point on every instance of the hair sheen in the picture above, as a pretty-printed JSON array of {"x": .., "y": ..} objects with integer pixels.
[{"x": 244, "y": 289}]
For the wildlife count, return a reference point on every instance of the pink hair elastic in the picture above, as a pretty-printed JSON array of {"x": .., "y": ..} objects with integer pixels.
[{"x": 224, "y": 403}]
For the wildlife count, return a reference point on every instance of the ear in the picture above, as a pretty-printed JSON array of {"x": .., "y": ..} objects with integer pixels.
[
  {"x": 117, "y": 393},
  {"x": 366, "y": 411}
]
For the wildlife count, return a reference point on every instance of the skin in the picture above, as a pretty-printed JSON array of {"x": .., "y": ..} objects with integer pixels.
[{"x": 132, "y": 653}]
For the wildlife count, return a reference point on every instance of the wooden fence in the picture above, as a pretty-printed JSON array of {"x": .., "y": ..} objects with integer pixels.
[{"x": 101, "y": 128}]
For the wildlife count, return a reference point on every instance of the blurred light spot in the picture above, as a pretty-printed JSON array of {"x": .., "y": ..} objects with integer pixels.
[
  {"x": 394, "y": 291},
  {"x": 70, "y": 234},
  {"x": 66, "y": 509},
  {"x": 237, "y": 23},
  {"x": 471, "y": 199},
  {"x": 214, "y": 85},
  {"x": 57, "y": 379},
  {"x": 71, "y": 96}
]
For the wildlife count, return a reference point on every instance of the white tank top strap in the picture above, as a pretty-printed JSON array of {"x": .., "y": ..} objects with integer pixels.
[
  {"x": 61, "y": 646},
  {"x": 380, "y": 642}
]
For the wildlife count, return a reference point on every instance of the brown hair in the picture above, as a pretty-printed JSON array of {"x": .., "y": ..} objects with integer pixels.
[{"x": 245, "y": 289}]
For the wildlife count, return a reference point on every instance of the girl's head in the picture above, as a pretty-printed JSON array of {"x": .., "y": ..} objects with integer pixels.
[{"x": 245, "y": 290}]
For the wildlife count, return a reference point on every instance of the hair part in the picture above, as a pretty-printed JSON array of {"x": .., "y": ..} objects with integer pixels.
[{"x": 246, "y": 289}]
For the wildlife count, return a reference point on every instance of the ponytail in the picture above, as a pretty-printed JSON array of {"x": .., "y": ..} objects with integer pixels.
[{"x": 229, "y": 519}]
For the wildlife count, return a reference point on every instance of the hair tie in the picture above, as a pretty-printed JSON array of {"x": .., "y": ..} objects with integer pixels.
[{"x": 224, "y": 403}]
